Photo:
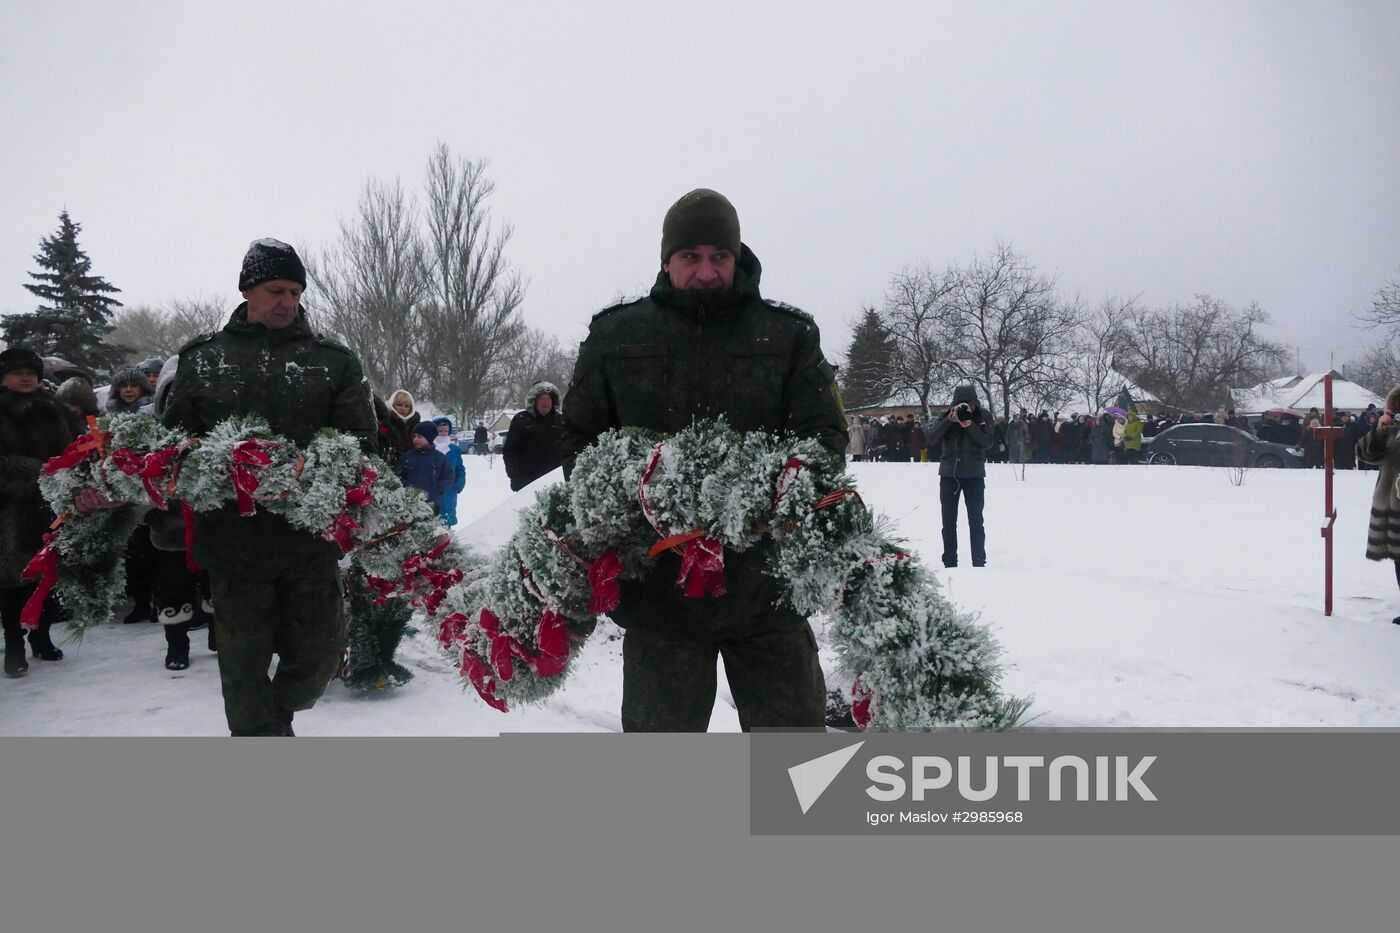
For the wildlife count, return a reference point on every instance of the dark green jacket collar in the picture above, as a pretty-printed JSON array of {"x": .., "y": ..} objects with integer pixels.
[
  {"x": 238, "y": 325},
  {"x": 701, "y": 302}
]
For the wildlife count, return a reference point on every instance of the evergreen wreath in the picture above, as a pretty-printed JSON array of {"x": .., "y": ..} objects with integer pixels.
[{"x": 913, "y": 660}]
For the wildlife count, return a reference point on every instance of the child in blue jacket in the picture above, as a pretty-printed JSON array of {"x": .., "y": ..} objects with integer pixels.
[
  {"x": 444, "y": 445},
  {"x": 423, "y": 467}
]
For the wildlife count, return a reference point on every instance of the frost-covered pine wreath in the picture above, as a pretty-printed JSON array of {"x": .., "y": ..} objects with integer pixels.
[
  {"x": 329, "y": 488},
  {"x": 913, "y": 659},
  {"x": 510, "y": 622}
]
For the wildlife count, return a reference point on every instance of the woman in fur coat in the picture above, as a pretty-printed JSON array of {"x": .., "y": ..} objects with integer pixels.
[
  {"x": 34, "y": 426},
  {"x": 1381, "y": 448}
]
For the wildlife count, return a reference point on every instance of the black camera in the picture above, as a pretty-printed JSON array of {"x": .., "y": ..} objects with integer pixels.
[{"x": 964, "y": 411}]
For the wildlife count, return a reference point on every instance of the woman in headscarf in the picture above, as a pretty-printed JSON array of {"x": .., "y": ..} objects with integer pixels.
[{"x": 403, "y": 418}]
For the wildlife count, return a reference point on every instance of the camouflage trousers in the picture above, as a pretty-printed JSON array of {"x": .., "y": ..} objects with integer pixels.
[
  {"x": 295, "y": 612},
  {"x": 669, "y": 682}
]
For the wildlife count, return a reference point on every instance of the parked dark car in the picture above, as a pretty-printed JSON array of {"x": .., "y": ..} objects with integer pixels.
[{"x": 1217, "y": 445}]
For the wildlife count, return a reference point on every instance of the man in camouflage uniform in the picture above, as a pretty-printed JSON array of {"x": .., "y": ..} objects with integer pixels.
[
  {"x": 705, "y": 343},
  {"x": 276, "y": 589}
]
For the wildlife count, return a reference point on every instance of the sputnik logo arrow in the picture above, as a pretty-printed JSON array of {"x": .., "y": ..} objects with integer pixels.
[{"x": 811, "y": 778}]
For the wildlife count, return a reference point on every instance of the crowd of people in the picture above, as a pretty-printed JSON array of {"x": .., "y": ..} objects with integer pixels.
[
  {"x": 1109, "y": 437},
  {"x": 277, "y": 591}
]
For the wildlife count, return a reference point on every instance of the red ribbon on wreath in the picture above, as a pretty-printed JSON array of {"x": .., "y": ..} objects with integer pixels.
[
  {"x": 362, "y": 495},
  {"x": 553, "y": 640},
  {"x": 549, "y": 661},
  {"x": 342, "y": 530},
  {"x": 702, "y": 568},
  {"x": 786, "y": 477},
  {"x": 43, "y": 565},
  {"x": 476, "y": 671},
  {"x": 604, "y": 594},
  {"x": 503, "y": 645},
  {"x": 385, "y": 588},
  {"x": 246, "y": 455},
  {"x": 861, "y": 698},
  {"x": 702, "y": 561},
  {"x": 452, "y": 630},
  {"x": 94, "y": 441},
  {"x": 148, "y": 469},
  {"x": 439, "y": 581},
  {"x": 416, "y": 568}
]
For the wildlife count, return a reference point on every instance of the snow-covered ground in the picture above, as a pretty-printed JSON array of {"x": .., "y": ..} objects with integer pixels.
[{"x": 1124, "y": 596}]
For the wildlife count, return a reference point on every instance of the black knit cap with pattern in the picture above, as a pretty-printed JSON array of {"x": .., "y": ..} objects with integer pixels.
[
  {"x": 700, "y": 218},
  {"x": 269, "y": 259}
]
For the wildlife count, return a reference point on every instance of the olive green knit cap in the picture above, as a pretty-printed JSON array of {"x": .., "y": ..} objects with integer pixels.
[{"x": 700, "y": 218}]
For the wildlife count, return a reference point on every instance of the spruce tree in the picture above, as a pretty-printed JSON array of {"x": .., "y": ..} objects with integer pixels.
[
  {"x": 869, "y": 362},
  {"x": 76, "y": 310}
]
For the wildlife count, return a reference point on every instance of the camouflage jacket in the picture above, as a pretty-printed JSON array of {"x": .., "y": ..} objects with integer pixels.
[
  {"x": 674, "y": 356},
  {"x": 300, "y": 382}
]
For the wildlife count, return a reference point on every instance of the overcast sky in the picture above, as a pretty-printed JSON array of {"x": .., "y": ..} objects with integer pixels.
[{"x": 1246, "y": 150}]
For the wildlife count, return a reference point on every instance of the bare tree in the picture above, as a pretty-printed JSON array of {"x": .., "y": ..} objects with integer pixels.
[
  {"x": 533, "y": 357},
  {"x": 1097, "y": 339},
  {"x": 1385, "y": 307},
  {"x": 370, "y": 286},
  {"x": 913, "y": 309},
  {"x": 160, "y": 331},
  {"x": 1006, "y": 330},
  {"x": 1190, "y": 356},
  {"x": 471, "y": 316},
  {"x": 1377, "y": 370}
]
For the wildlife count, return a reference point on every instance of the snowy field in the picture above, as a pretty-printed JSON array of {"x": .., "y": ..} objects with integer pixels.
[{"x": 1123, "y": 596}]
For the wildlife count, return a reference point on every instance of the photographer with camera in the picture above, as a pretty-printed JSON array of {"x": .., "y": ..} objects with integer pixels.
[{"x": 962, "y": 471}]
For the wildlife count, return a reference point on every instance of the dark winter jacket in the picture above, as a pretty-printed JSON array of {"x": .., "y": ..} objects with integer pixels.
[
  {"x": 34, "y": 426},
  {"x": 1345, "y": 449},
  {"x": 401, "y": 427},
  {"x": 962, "y": 450},
  {"x": 677, "y": 355},
  {"x": 1042, "y": 430},
  {"x": 532, "y": 446},
  {"x": 481, "y": 435},
  {"x": 1102, "y": 441},
  {"x": 301, "y": 383},
  {"x": 917, "y": 443},
  {"x": 427, "y": 470}
]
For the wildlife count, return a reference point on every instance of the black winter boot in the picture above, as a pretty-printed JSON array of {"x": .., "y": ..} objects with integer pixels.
[
  {"x": 286, "y": 716},
  {"x": 15, "y": 664},
  {"x": 177, "y": 646},
  {"x": 144, "y": 609},
  {"x": 42, "y": 645}
]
